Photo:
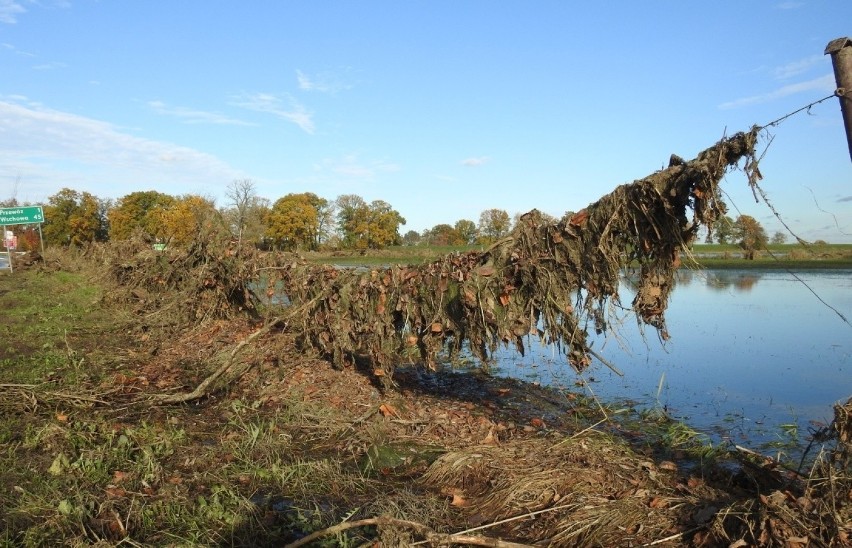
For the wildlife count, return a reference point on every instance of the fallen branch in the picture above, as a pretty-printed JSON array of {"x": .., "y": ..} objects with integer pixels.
[
  {"x": 203, "y": 388},
  {"x": 33, "y": 391},
  {"x": 437, "y": 539}
]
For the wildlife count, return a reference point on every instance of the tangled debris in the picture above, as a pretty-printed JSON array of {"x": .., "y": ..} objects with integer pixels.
[{"x": 549, "y": 280}]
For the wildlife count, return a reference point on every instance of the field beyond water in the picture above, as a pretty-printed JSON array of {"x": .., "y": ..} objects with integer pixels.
[
  {"x": 792, "y": 256},
  {"x": 123, "y": 423}
]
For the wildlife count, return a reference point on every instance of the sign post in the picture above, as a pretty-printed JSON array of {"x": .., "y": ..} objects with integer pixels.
[
  {"x": 7, "y": 239},
  {"x": 24, "y": 215}
]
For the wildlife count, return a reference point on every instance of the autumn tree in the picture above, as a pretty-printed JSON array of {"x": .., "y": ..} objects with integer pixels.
[
  {"x": 375, "y": 225},
  {"x": 293, "y": 222},
  {"x": 184, "y": 219},
  {"x": 352, "y": 218},
  {"x": 384, "y": 225},
  {"x": 74, "y": 218},
  {"x": 493, "y": 225},
  {"x": 750, "y": 235},
  {"x": 135, "y": 212},
  {"x": 466, "y": 230},
  {"x": 443, "y": 234}
]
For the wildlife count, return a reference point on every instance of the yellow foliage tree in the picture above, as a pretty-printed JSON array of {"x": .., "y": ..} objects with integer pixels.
[
  {"x": 293, "y": 222},
  {"x": 135, "y": 212},
  {"x": 74, "y": 218},
  {"x": 182, "y": 221}
]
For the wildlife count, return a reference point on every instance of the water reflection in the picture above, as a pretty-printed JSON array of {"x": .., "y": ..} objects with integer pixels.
[
  {"x": 722, "y": 280},
  {"x": 745, "y": 361}
]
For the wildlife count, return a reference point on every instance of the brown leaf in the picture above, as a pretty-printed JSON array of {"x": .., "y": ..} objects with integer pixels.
[
  {"x": 437, "y": 327},
  {"x": 504, "y": 299},
  {"x": 379, "y": 372},
  {"x": 668, "y": 465},
  {"x": 491, "y": 438},
  {"x": 579, "y": 218},
  {"x": 486, "y": 270},
  {"x": 537, "y": 422},
  {"x": 658, "y": 502},
  {"x": 62, "y": 417},
  {"x": 388, "y": 410},
  {"x": 118, "y": 476},
  {"x": 114, "y": 492},
  {"x": 458, "y": 500}
]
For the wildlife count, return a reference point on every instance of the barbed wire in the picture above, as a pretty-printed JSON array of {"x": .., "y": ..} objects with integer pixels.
[{"x": 808, "y": 107}]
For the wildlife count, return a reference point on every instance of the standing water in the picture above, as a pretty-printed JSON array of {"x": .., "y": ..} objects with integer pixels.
[{"x": 755, "y": 357}]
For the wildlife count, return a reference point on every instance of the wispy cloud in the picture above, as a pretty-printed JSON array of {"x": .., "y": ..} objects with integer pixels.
[
  {"x": 324, "y": 82},
  {"x": 845, "y": 199},
  {"x": 192, "y": 116},
  {"x": 475, "y": 161},
  {"x": 824, "y": 84},
  {"x": 9, "y": 11},
  {"x": 50, "y": 66},
  {"x": 351, "y": 166},
  {"x": 61, "y": 148},
  {"x": 801, "y": 66},
  {"x": 293, "y": 112},
  {"x": 16, "y": 51}
]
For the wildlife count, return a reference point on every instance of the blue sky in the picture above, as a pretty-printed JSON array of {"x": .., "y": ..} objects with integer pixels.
[{"x": 441, "y": 108}]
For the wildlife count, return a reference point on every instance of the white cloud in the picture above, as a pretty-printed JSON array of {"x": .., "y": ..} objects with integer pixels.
[
  {"x": 798, "y": 67},
  {"x": 476, "y": 161},
  {"x": 192, "y": 116},
  {"x": 9, "y": 10},
  {"x": 63, "y": 149},
  {"x": 324, "y": 82},
  {"x": 352, "y": 167},
  {"x": 15, "y": 50},
  {"x": 272, "y": 104},
  {"x": 825, "y": 84},
  {"x": 50, "y": 66}
]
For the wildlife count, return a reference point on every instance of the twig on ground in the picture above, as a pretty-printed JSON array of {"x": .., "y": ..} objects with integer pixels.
[{"x": 433, "y": 537}]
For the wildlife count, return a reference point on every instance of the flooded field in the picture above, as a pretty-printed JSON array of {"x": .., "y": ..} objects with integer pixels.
[{"x": 755, "y": 357}]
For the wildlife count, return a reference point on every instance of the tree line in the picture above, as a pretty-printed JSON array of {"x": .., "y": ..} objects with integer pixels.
[{"x": 294, "y": 222}]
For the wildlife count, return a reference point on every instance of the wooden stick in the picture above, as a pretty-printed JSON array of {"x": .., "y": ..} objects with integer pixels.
[
  {"x": 202, "y": 389},
  {"x": 433, "y": 537}
]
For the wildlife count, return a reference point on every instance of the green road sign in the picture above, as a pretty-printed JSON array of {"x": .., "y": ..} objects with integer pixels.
[{"x": 25, "y": 215}]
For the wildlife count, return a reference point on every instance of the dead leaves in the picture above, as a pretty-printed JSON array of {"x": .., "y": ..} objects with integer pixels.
[{"x": 387, "y": 410}]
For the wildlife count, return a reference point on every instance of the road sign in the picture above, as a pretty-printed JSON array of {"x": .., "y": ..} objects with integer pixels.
[{"x": 25, "y": 215}]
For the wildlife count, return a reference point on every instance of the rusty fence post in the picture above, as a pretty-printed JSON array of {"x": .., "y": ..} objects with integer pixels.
[{"x": 841, "y": 59}]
